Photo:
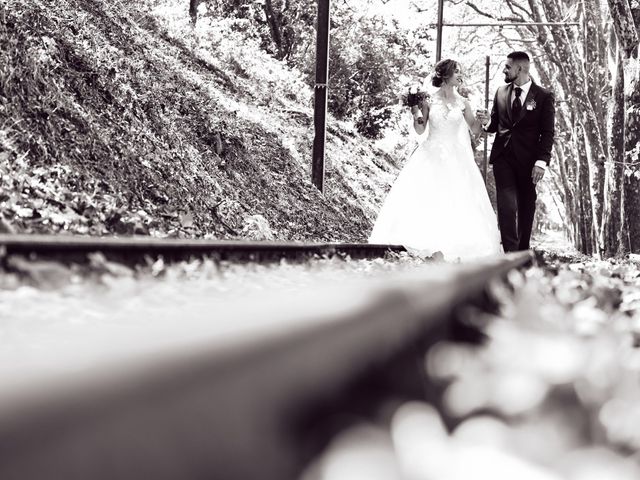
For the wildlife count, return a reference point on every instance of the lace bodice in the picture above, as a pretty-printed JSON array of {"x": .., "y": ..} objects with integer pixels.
[{"x": 446, "y": 118}]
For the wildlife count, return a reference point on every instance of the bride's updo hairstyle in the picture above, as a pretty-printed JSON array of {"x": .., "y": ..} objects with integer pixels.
[{"x": 443, "y": 71}]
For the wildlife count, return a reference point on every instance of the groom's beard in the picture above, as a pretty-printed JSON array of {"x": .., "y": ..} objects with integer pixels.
[{"x": 508, "y": 80}]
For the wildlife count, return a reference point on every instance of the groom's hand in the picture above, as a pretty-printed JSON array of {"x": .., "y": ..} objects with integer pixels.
[
  {"x": 537, "y": 174},
  {"x": 482, "y": 116}
]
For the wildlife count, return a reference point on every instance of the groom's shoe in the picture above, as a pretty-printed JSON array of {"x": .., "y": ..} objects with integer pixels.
[
  {"x": 509, "y": 244},
  {"x": 524, "y": 245}
]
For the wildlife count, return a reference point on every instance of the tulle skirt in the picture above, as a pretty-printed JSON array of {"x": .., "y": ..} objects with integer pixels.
[{"x": 439, "y": 203}]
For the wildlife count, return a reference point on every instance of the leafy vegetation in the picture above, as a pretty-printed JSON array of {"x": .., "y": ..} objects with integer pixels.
[
  {"x": 120, "y": 119},
  {"x": 552, "y": 394},
  {"x": 371, "y": 58}
]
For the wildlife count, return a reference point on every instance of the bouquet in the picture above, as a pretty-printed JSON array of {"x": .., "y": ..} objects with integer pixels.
[{"x": 415, "y": 97}]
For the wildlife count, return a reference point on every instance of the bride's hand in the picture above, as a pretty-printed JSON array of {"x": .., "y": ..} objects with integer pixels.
[{"x": 416, "y": 111}]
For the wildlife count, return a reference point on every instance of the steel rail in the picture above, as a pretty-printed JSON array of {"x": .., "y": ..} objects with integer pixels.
[
  {"x": 128, "y": 249},
  {"x": 249, "y": 409}
]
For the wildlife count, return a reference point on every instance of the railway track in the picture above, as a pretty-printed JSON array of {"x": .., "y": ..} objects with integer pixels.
[
  {"x": 133, "y": 249},
  {"x": 257, "y": 406}
]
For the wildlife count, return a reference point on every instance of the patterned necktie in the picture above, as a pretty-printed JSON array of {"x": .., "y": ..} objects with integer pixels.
[{"x": 517, "y": 104}]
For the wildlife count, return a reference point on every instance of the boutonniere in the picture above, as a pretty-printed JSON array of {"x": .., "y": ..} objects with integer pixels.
[{"x": 530, "y": 105}]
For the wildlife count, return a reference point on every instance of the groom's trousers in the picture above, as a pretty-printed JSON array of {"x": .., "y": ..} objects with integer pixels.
[{"x": 516, "y": 198}]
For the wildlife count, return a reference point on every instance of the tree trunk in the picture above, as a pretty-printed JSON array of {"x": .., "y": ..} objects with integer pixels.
[
  {"x": 632, "y": 155},
  {"x": 274, "y": 19},
  {"x": 568, "y": 195},
  {"x": 595, "y": 75},
  {"x": 586, "y": 227},
  {"x": 623, "y": 22},
  {"x": 614, "y": 230},
  {"x": 193, "y": 11},
  {"x": 596, "y": 54}
]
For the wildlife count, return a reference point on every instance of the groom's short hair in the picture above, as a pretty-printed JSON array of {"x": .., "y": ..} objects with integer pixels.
[{"x": 519, "y": 57}]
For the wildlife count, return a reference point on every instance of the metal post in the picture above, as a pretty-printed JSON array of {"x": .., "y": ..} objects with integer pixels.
[
  {"x": 509, "y": 24},
  {"x": 320, "y": 92},
  {"x": 439, "y": 34},
  {"x": 487, "y": 64}
]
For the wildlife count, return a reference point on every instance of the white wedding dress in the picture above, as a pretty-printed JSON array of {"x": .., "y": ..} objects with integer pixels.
[{"x": 439, "y": 201}]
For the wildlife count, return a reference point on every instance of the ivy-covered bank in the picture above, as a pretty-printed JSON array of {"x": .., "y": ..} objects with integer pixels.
[{"x": 118, "y": 118}]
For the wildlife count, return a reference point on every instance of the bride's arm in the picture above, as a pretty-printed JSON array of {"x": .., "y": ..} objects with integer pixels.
[
  {"x": 475, "y": 124},
  {"x": 420, "y": 127}
]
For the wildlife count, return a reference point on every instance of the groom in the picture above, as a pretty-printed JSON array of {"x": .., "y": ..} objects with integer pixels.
[{"x": 523, "y": 116}]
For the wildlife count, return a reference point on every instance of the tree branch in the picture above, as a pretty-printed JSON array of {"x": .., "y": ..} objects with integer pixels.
[
  {"x": 418, "y": 8},
  {"x": 473, "y": 6}
]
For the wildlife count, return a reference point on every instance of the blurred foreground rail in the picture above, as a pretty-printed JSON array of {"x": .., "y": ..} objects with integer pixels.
[
  {"x": 134, "y": 249},
  {"x": 256, "y": 407}
]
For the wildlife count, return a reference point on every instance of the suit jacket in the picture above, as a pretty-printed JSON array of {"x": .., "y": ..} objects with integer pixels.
[{"x": 530, "y": 135}]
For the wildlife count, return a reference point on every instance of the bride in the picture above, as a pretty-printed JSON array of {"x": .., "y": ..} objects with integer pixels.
[{"x": 439, "y": 202}]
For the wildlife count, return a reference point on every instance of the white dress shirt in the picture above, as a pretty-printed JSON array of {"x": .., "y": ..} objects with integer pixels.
[
  {"x": 523, "y": 95},
  {"x": 525, "y": 90}
]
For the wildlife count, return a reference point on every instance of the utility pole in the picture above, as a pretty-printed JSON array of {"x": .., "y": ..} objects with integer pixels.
[{"x": 320, "y": 94}]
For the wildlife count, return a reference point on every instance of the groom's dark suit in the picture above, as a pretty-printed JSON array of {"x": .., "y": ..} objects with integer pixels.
[{"x": 521, "y": 140}]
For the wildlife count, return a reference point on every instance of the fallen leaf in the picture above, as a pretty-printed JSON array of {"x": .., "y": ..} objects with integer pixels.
[{"x": 186, "y": 220}]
